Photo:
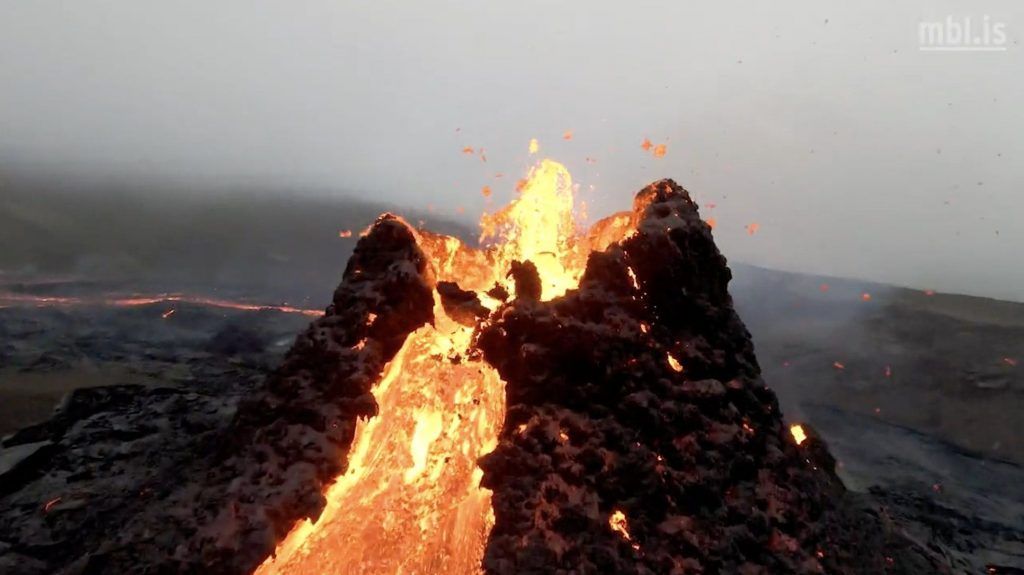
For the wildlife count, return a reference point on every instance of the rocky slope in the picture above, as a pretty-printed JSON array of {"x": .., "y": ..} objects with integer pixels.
[{"x": 640, "y": 437}]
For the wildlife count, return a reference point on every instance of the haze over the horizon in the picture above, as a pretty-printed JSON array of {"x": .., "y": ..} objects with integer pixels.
[{"x": 855, "y": 153}]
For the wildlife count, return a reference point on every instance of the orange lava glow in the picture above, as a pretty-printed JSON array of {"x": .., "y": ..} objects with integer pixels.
[
  {"x": 620, "y": 525},
  {"x": 798, "y": 433},
  {"x": 51, "y": 504},
  {"x": 12, "y": 299},
  {"x": 410, "y": 500},
  {"x": 674, "y": 363}
]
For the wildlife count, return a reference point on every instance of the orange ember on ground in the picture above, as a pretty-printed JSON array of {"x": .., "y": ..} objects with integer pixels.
[
  {"x": 674, "y": 364},
  {"x": 752, "y": 228},
  {"x": 647, "y": 145},
  {"x": 617, "y": 521},
  {"x": 798, "y": 433},
  {"x": 51, "y": 504},
  {"x": 345, "y": 234},
  {"x": 410, "y": 500},
  {"x": 865, "y": 296},
  {"x": 659, "y": 150},
  {"x": 567, "y": 135}
]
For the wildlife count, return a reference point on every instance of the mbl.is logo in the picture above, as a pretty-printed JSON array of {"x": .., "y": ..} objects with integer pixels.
[{"x": 962, "y": 35}]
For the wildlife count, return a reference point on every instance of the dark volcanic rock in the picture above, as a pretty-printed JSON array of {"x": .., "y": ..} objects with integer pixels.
[
  {"x": 219, "y": 502},
  {"x": 234, "y": 339},
  {"x": 526, "y": 279},
  {"x": 694, "y": 464},
  {"x": 461, "y": 305}
]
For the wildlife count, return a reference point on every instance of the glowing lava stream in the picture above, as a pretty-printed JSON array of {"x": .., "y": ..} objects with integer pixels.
[{"x": 411, "y": 500}]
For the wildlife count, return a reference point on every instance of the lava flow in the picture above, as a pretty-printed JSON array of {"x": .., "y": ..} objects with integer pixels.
[
  {"x": 411, "y": 501},
  {"x": 8, "y": 299}
]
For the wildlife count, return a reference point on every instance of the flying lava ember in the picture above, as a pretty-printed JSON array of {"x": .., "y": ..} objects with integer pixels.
[{"x": 412, "y": 480}]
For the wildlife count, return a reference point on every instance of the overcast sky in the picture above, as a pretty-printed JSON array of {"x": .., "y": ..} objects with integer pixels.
[{"x": 856, "y": 153}]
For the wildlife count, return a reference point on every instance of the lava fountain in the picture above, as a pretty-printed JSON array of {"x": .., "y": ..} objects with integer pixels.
[{"x": 410, "y": 500}]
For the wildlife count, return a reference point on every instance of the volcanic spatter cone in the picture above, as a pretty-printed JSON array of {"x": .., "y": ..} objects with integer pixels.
[
  {"x": 637, "y": 435},
  {"x": 556, "y": 403}
]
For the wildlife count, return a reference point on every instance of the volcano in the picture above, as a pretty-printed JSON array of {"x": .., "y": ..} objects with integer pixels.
[{"x": 557, "y": 401}]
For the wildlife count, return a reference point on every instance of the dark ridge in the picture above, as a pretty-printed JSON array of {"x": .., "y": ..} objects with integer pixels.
[{"x": 697, "y": 461}]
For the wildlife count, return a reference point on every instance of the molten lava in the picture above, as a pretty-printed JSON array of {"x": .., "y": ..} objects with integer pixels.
[
  {"x": 799, "y": 435},
  {"x": 410, "y": 500}
]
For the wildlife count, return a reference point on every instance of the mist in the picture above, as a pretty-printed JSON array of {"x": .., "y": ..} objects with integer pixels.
[{"x": 857, "y": 154}]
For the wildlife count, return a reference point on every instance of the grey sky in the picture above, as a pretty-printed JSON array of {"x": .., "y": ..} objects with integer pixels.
[{"x": 856, "y": 153}]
